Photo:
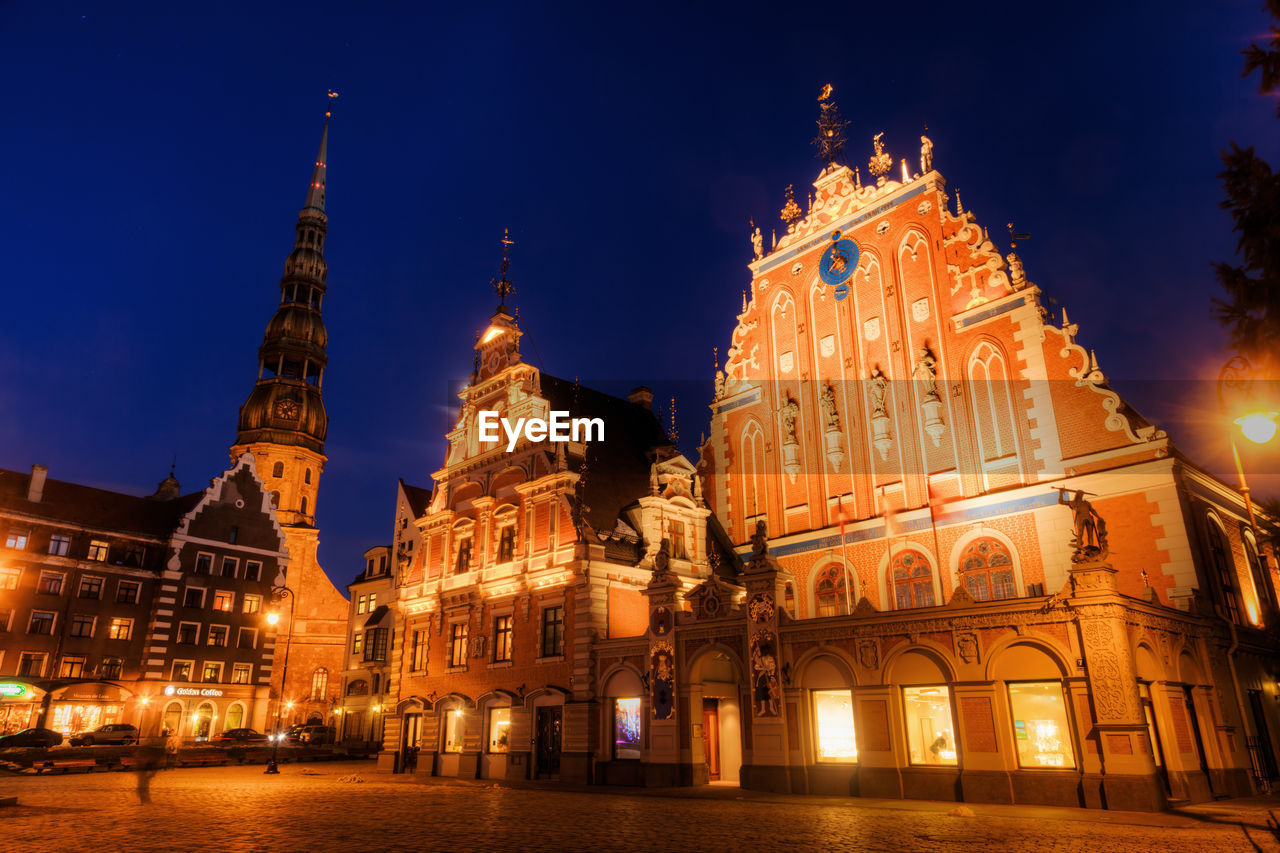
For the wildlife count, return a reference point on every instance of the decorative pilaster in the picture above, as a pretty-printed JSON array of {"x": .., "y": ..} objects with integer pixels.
[
  {"x": 767, "y": 768},
  {"x": 662, "y": 757}
]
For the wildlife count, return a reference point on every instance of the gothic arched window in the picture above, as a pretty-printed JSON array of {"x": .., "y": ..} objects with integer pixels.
[
  {"x": 832, "y": 591},
  {"x": 319, "y": 683},
  {"x": 987, "y": 570},
  {"x": 912, "y": 580}
]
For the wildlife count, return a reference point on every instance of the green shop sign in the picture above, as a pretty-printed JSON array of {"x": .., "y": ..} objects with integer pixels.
[{"x": 8, "y": 689}]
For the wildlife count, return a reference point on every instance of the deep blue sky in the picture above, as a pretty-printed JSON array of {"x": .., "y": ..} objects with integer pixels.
[{"x": 153, "y": 160}]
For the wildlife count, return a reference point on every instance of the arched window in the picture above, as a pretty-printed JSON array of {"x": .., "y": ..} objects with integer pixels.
[
  {"x": 306, "y": 476},
  {"x": 912, "y": 580},
  {"x": 235, "y": 717},
  {"x": 987, "y": 570},
  {"x": 277, "y": 470},
  {"x": 832, "y": 591},
  {"x": 304, "y": 504},
  {"x": 1223, "y": 568},
  {"x": 319, "y": 683},
  {"x": 1261, "y": 577},
  {"x": 754, "y": 497},
  {"x": 359, "y": 687}
]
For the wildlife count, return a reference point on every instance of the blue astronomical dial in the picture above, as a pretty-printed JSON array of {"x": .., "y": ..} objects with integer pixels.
[{"x": 838, "y": 261}]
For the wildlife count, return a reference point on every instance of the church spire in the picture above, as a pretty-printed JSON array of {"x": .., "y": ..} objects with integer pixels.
[{"x": 285, "y": 406}]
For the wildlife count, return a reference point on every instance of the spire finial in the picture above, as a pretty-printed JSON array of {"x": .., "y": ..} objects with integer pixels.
[
  {"x": 503, "y": 286},
  {"x": 315, "y": 192},
  {"x": 830, "y": 140}
]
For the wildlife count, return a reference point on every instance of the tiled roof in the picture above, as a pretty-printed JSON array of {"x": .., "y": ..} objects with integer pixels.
[{"x": 85, "y": 506}]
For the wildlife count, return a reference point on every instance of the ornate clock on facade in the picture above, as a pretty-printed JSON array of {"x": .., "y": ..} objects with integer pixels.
[
  {"x": 838, "y": 263},
  {"x": 287, "y": 409}
]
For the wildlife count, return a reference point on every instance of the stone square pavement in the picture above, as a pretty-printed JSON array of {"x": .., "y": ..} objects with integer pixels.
[{"x": 320, "y": 807}]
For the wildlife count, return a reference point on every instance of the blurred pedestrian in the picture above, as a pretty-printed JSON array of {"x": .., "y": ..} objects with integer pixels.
[{"x": 149, "y": 760}]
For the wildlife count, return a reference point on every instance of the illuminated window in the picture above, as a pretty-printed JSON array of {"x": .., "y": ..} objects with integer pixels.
[
  {"x": 50, "y": 583},
  {"x": 931, "y": 734},
  {"x": 217, "y": 635},
  {"x": 912, "y": 580},
  {"x": 41, "y": 622},
  {"x": 987, "y": 570},
  {"x": 9, "y": 578},
  {"x": 502, "y": 638},
  {"x": 121, "y": 629},
  {"x": 357, "y": 643},
  {"x": 98, "y": 550},
  {"x": 832, "y": 591},
  {"x": 833, "y": 715},
  {"x": 240, "y": 674},
  {"x": 454, "y": 726},
  {"x": 251, "y": 604},
  {"x": 235, "y": 714},
  {"x": 675, "y": 530},
  {"x": 252, "y": 570},
  {"x": 17, "y": 539},
  {"x": 72, "y": 667},
  {"x": 376, "y": 642},
  {"x": 1040, "y": 729},
  {"x": 182, "y": 670},
  {"x": 112, "y": 667},
  {"x": 373, "y": 601},
  {"x": 506, "y": 544},
  {"x": 499, "y": 729},
  {"x": 319, "y": 683},
  {"x": 204, "y": 564},
  {"x": 362, "y": 604},
  {"x": 626, "y": 727},
  {"x": 552, "y": 631},
  {"x": 224, "y": 601},
  {"x": 82, "y": 625},
  {"x": 172, "y": 718},
  {"x": 458, "y": 644},
  {"x": 59, "y": 544},
  {"x": 127, "y": 592},
  {"x": 212, "y": 671}
]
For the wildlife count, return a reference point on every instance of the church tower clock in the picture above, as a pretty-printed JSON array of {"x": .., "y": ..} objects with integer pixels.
[{"x": 283, "y": 424}]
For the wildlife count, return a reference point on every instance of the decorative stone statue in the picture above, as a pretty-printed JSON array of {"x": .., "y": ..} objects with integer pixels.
[
  {"x": 1090, "y": 540},
  {"x": 757, "y": 243},
  {"x": 759, "y": 540},
  {"x": 1017, "y": 276},
  {"x": 790, "y": 411},
  {"x": 830, "y": 417},
  {"x": 662, "y": 560},
  {"x": 926, "y": 154},
  {"x": 720, "y": 383},
  {"x": 926, "y": 373},
  {"x": 879, "y": 390}
]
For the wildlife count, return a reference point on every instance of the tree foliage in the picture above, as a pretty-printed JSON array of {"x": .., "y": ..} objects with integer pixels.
[{"x": 1251, "y": 311}]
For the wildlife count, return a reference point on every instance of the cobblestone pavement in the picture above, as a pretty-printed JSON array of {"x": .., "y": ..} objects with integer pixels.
[{"x": 311, "y": 808}]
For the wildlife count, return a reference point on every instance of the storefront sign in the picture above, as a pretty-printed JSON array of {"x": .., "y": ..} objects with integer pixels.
[
  {"x": 10, "y": 690},
  {"x": 170, "y": 690}
]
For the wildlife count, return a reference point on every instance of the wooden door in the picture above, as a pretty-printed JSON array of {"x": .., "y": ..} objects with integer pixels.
[
  {"x": 548, "y": 737},
  {"x": 711, "y": 736}
]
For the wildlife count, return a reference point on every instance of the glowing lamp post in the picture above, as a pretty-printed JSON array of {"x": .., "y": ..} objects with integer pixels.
[
  {"x": 279, "y": 594},
  {"x": 1258, "y": 425}
]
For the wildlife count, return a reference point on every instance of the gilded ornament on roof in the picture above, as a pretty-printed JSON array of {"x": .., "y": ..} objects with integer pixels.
[
  {"x": 881, "y": 161},
  {"x": 790, "y": 211}
]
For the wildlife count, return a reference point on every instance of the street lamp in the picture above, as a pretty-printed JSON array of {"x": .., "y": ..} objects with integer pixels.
[
  {"x": 1258, "y": 426},
  {"x": 280, "y": 594}
]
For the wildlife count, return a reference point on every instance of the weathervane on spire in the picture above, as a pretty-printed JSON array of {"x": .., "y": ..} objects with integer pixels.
[
  {"x": 830, "y": 140},
  {"x": 503, "y": 286}
]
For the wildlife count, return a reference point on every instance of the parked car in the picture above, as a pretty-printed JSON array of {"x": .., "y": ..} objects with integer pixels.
[
  {"x": 293, "y": 734},
  {"x": 112, "y": 733},
  {"x": 317, "y": 735},
  {"x": 31, "y": 737},
  {"x": 239, "y": 736}
]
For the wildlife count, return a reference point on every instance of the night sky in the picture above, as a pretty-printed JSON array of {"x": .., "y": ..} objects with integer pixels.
[{"x": 154, "y": 160}]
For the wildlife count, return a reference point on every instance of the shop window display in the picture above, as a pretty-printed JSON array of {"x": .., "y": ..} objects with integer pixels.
[
  {"x": 454, "y": 727},
  {"x": 1040, "y": 728},
  {"x": 931, "y": 737},
  {"x": 626, "y": 727},
  {"x": 499, "y": 729},
  {"x": 833, "y": 715}
]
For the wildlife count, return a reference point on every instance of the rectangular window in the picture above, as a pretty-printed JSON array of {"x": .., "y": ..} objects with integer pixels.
[
  {"x": 182, "y": 670},
  {"x": 204, "y": 564},
  {"x": 224, "y": 601},
  {"x": 1040, "y": 729},
  {"x": 212, "y": 671},
  {"x": 233, "y": 535},
  {"x": 134, "y": 556},
  {"x": 240, "y": 673},
  {"x": 31, "y": 664},
  {"x": 121, "y": 629},
  {"x": 98, "y": 550},
  {"x": 357, "y": 643},
  {"x": 51, "y": 583},
  {"x": 90, "y": 587},
  {"x": 362, "y": 604},
  {"x": 252, "y": 570},
  {"x": 127, "y": 592},
  {"x": 217, "y": 635},
  {"x": 454, "y": 726},
  {"x": 675, "y": 529},
  {"x": 458, "y": 644},
  {"x": 499, "y": 729},
  {"x": 507, "y": 544},
  {"x": 833, "y": 718},
  {"x": 9, "y": 578},
  {"x": 6, "y": 618},
  {"x": 193, "y": 597},
  {"x": 931, "y": 735},
  {"x": 112, "y": 667},
  {"x": 72, "y": 667},
  {"x": 252, "y": 604},
  {"x": 228, "y": 569},
  {"x": 82, "y": 625},
  {"x": 418, "y": 659},
  {"x": 41, "y": 622},
  {"x": 626, "y": 727},
  {"x": 502, "y": 638},
  {"x": 59, "y": 545},
  {"x": 188, "y": 633},
  {"x": 247, "y": 638},
  {"x": 375, "y": 644},
  {"x": 552, "y": 631},
  {"x": 464, "y": 557},
  {"x": 373, "y": 601},
  {"x": 17, "y": 539}
]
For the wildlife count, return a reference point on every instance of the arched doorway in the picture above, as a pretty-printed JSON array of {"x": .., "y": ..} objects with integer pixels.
[
  {"x": 716, "y": 683},
  {"x": 172, "y": 719},
  {"x": 235, "y": 717},
  {"x": 203, "y": 721}
]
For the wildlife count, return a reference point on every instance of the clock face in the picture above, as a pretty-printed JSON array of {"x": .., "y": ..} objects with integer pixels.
[
  {"x": 838, "y": 261},
  {"x": 287, "y": 409}
]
